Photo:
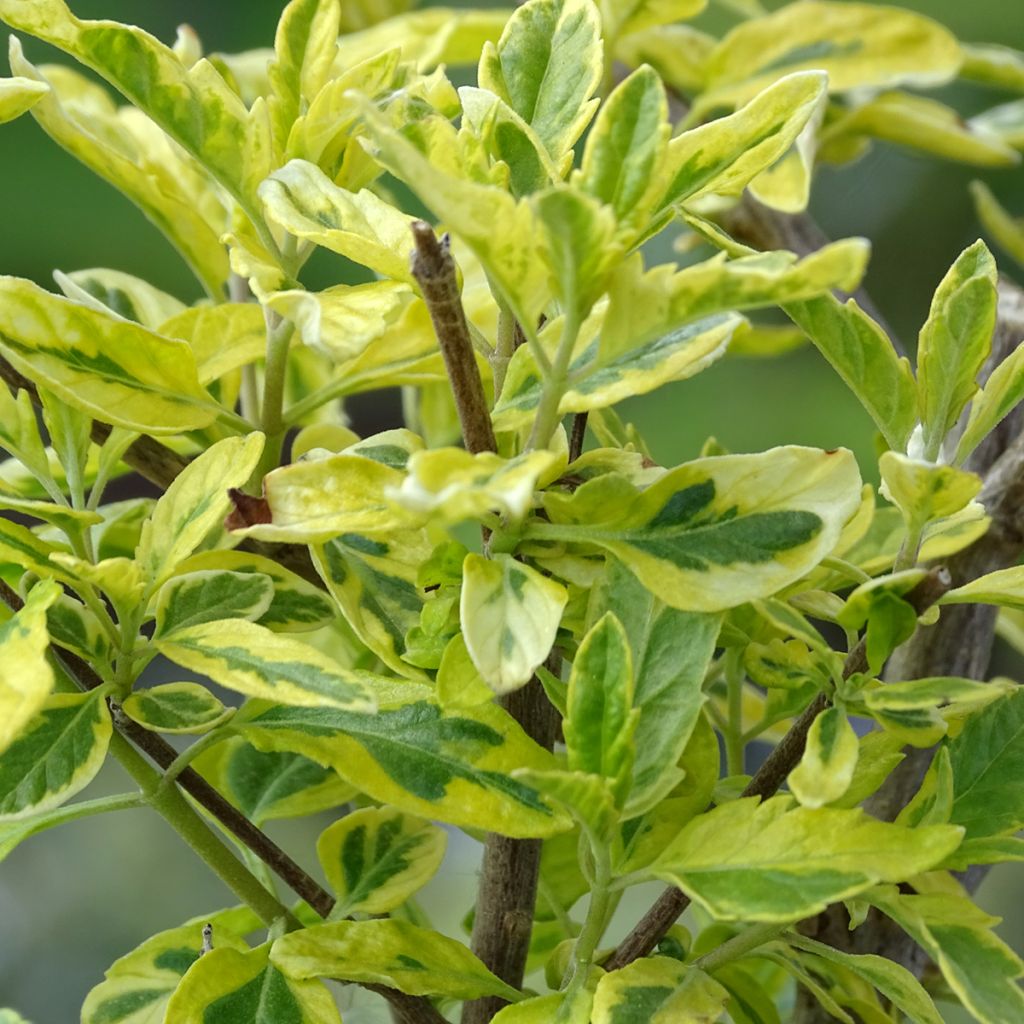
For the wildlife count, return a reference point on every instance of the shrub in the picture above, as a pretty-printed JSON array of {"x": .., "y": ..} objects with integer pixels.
[{"x": 541, "y": 645}]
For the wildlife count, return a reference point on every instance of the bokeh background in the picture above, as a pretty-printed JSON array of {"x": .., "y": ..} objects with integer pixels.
[{"x": 73, "y": 900}]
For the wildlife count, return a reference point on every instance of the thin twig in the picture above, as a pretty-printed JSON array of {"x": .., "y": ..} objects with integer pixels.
[
  {"x": 654, "y": 925},
  {"x": 434, "y": 270},
  {"x": 579, "y": 434}
]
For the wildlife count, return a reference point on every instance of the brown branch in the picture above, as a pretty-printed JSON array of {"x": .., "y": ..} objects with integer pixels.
[
  {"x": 654, "y": 925},
  {"x": 579, "y": 434},
  {"x": 434, "y": 270}
]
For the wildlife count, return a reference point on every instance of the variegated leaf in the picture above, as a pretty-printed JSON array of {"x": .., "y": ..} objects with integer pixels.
[
  {"x": 176, "y": 708},
  {"x": 191, "y": 599}
]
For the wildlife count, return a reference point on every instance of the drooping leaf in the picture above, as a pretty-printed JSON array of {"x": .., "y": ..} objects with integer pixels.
[
  {"x": 705, "y": 537},
  {"x": 191, "y": 599},
  {"x": 129, "y": 151},
  {"x": 195, "y": 503},
  {"x": 26, "y": 677},
  {"x": 396, "y": 953},
  {"x": 138, "y": 986},
  {"x": 305, "y": 202},
  {"x": 768, "y": 861},
  {"x": 955, "y": 342},
  {"x": 546, "y": 66},
  {"x": 857, "y": 44},
  {"x": 376, "y": 858},
  {"x": 977, "y": 965},
  {"x": 987, "y": 758},
  {"x": 194, "y": 105},
  {"x": 447, "y": 765},
  {"x": 109, "y": 368},
  {"x": 250, "y": 659},
  {"x": 269, "y": 785},
  {"x": 510, "y": 615},
  {"x": 826, "y": 769},
  {"x": 243, "y": 987},
  {"x": 891, "y": 979},
  {"x": 176, "y": 708},
  {"x": 864, "y": 357},
  {"x": 57, "y": 753}
]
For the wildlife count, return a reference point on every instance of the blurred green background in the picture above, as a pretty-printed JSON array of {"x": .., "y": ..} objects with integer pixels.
[{"x": 74, "y": 900}]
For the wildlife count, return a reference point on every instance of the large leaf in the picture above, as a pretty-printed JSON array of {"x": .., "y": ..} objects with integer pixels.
[
  {"x": 987, "y": 758},
  {"x": 268, "y": 785},
  {"x": 376, "y": 858},
  {"x": 510, "y": 615},
  {"x": 236, "y": 987},
  {"x": 26, "y": 677},
  {"x": 671, "y": 652},
  {"x": 129, "y": 151},
  {"x": 864, "y": 357},
  {"x": 977, "y": 965},
  {"x": 396, "y": 953},
  {"x": 448, "y": 765},
  {"x": 194, "y": 105},
  {"x": 138, "y": 986},
  {"x": 58, "y": 753},
  {"x": 706, "y": 536},
  {"x": 955, "y": 342},
  {"x": 110, "y": 368},
  {"x": 304, "y": 201},
  {"x": 857, "y": 44},
  {"x": 768, "y": 861},
  {"x": 250, "y": 659},
  {"x": 600, "y": 722},
  {"x": 546, "y": 66},
  {"x": 195, "y": 503}
]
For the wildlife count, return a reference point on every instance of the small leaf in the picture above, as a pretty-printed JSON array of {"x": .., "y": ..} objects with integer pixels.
[
  {"x": 113, "y": 291},
  {"x": 1007, "y": 230},
  {"x": 658, "y": 990},
  {"x": 395, "y": 953},
  {"x": 623, "y": 17},
  {"x": 861, "y": 353},
  {"x": 754, "y": 861},
  {"x": 601, "y": 721},
  {"x": 510, "y": 615},
  {"x": 109, "y": 368},
  {"x": 376, "y": 858},
  {"x": 546, "y": 66},
  {"x": 250, "y": 659},
  {"x": 138, "y": 986},
  {"x": 26, "y": 677},
  {"x": 826, "y": 769},
  {"x": 243, "y": 987},
  {"x": 448, "y": 765},
  {"x": 195, "y": 503},
  {"x": 18, "y": 95},
  {"x": 176, "y": 708},
  {"x": 194, "y": 598},
  {"x": 57, "y": 754},
  {"x": 925, "y": 491},
  {"x": 955, "y": 342},
  {"x": 1001, "y": 393},
  {"x": 223, "y": 338}
]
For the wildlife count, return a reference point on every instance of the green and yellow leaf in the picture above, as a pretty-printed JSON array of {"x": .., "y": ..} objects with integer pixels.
[
  {"x": 395, "y": 953},
  {"x": 510, "y": 615},
  {"x": 658, "y": 990},
  {"x": 223, "y": 338},
  {"x": 376, "y": 858},
  {"x": 176, "y": 708},
  {"x": 1001, "y": 393},
  {"x": 191, "y": 599},
  {"x": 826, "y": 769},
  {"x": 769, "y": 861},
  {"x": 56, "y": 754},
  {"x": 18, "y": 95}
]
